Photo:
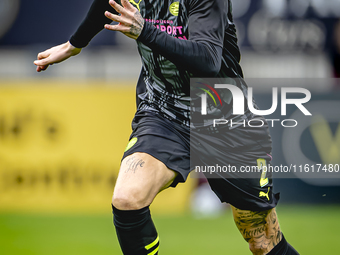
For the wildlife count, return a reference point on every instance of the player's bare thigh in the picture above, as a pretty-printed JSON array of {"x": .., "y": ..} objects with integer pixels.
[
  {"x": 260, "y": 229},
  {"x": 140, "y": 178}
]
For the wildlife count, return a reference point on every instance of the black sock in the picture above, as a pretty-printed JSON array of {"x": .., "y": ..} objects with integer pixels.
[
  {"x": 136, "y": 232},
  {"x": 283, "y": 248}
]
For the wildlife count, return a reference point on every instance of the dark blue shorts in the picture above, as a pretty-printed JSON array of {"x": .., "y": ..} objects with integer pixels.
[{"x": 183, "y": 151}]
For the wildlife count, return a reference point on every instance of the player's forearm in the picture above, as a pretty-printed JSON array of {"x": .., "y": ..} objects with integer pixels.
[
  {"x": 92, "y": 24},
  {"x": 199, "y": 58}
]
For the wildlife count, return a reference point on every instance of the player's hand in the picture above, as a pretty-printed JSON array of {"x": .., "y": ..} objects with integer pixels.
[
  {"x": 55, "y": 55},
  {"x": 130, "y": 21}
]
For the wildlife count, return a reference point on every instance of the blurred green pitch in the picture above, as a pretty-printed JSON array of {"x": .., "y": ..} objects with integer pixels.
[{"x": 311, "y": 229}]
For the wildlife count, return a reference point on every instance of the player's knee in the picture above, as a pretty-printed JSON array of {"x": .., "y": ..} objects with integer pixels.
[{"x": 129, "y": 200}]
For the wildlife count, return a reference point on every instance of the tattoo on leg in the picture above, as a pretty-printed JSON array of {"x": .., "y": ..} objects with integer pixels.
[
  {"x": 260, "y": 229},
  {"x": 133, "y": 164}
]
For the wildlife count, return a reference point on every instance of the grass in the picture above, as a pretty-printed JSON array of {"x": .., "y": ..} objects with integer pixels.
[{"x": 310, "y": 229}]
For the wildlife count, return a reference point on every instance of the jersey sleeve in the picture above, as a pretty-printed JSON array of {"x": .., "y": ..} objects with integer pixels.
[
  {"x": 208, "y": 20},
  {"x": 201, "y": 54},
  {"x": 92, "y": 24}
]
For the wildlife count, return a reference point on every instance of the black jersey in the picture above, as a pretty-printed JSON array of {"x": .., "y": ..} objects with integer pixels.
[{"x": 180, "y": 39}]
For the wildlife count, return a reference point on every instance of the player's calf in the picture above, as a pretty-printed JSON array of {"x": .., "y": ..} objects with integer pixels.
[
  {"x": 262, "y": 232},
  {"x": 140, "y": 178},
  {"x": 136, "y": 232}
]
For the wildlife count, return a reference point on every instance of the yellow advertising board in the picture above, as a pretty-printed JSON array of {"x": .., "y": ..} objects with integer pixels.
[{"x": 61, "y": 144}]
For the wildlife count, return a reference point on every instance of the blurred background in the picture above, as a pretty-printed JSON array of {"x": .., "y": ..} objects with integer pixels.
[{"x": 63, "y": 131}]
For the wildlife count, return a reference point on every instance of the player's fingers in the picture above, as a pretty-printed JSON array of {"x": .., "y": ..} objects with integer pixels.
[
  {"x": 125, "y": 30},
  {"x": 46, "y": 61},
  {"x": 113, "y": 17},
  {"x": 126, "y": 4},
  {"x": 43, "y": 54},
  {"x": 117, "y": 7},
  {"x": 41, "y": 68},
  {"x": 112, "y": 27},
  {"x": 119, "y": 28},
  {"x": 120, "y": 19},
  {"x": 41, "y": 62}
]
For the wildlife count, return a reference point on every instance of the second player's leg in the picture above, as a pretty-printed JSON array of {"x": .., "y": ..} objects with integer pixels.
[{"x": 260, "y": 229}]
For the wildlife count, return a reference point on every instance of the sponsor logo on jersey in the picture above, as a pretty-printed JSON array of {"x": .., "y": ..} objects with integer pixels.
[
  {"x": 135, "y": 3},
  {"x": 174, "y": 8},
  {"x": 262, "y": 194}
]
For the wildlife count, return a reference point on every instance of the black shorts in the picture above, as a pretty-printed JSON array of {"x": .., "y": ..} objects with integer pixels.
[{"x": 173, "y": 145}]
